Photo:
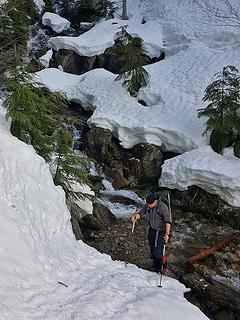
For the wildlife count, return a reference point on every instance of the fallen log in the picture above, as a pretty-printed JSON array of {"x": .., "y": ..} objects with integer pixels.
[
  {"x": 208, "y": 289},
  {"x": 207, "y": 252}
]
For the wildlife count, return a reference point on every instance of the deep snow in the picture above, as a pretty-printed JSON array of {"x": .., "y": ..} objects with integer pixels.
[{"x": 195, "y": 50}]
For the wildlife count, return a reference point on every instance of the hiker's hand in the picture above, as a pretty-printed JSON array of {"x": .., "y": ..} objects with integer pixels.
[
  {"x": 166, "y": 237},
  {"x": 135, "y": 217}
]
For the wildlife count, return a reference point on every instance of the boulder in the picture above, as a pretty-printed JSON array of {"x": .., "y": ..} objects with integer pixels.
[
  {"x": 71, "y": 62},
  {"x": 119, "y": 180},
  {"x": 99, "y": 220},
  {"x": 123, "y": 200},
  {"x": 224, "y": 315},
  {"x": 236, "y": 148},
  {"x": 150, "y": 157},
  {"x": 34, "y": 66},
  {"x": 96, "y": 183},
  {"x": 101, "y": 145}
]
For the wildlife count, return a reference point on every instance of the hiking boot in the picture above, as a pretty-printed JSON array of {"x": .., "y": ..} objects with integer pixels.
[{"x": 155, "y": 269}]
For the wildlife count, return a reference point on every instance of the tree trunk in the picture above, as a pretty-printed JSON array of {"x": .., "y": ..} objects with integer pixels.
[
  {"x": 213, "y": 290},
  {"x": 207, "y": 252},
  {"x": 124, "y": 9},
  {"x": 76, "y": 228}
]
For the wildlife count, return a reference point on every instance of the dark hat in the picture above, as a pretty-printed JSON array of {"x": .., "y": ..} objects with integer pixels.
[{"x": 151, "y": 198}]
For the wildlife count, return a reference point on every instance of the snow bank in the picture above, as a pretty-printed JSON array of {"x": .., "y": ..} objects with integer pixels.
[
  {"x": 195, "y": 51},
  {"x": 207, "y": 169},
  {"x": 116, "y": 110},
  {"x": 91, "y": 43},
  {"x": 55, "y": 22},
  {"x": 45, "y": 274},
  {"x": 45, "y": 59}
]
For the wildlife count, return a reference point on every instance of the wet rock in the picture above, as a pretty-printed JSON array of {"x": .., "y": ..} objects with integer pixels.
[
  {"x": 99, "y": 220},
  {"x": 123, "y": 200},
  {"x": 136, "y": 167},
  {"x": 150, "y": 158},
  {"x": 236, "y": 148},
  {"x": 224, "y": 315},
  {"x": 119, "y": 179},
  {"x": 96, "y": 183},
  {"x": 230, "y": 257},
  {"x": 101, "y": 146},
  {"x": 71, "y": 62},
  {"x": 34, "y": 66}
]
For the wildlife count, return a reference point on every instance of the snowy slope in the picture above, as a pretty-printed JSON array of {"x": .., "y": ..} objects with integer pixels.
[{"x": 38, "y": 250}]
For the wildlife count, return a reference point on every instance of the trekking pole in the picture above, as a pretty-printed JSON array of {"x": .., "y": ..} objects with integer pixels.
[
  {"x": 169, "y": 205},
  {"x": 133, "y": 226},
  {"x": 164, "y": 262},
  {"x": 164, "y": 257}
]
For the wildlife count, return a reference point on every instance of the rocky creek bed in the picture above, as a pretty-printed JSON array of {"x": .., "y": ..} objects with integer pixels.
[{"x": 214, "y": 281}]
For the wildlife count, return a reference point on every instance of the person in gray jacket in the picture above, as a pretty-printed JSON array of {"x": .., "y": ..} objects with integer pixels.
[{"x": 159, "y": 222}]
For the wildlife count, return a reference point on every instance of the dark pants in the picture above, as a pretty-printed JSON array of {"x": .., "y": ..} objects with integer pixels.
[{"x": 156, "y": 246}]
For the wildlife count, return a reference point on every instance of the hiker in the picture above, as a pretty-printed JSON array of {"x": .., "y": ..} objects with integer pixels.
[{"x": 159, "y": 223}]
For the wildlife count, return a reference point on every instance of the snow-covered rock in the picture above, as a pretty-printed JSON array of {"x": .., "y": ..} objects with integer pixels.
[
  {"x": 116, "y": 110},
  {"x": 86, "y": 25},
  {"x": 102, "y": 36},
  {"x": 194, "y": 53},
  {"x": 46, "y": 274},
  {"x": 195, "y": 50},
  {"x": 207, "y": 169},
  {"x": 85, "y": 204},
  {"x": 45, "y": 59},
  {"x": 40, "y": 5},
  {"x": 55, "y": 22}
]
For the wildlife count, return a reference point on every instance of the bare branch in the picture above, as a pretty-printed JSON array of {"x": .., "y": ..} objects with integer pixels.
[{"x": 222, "y": 14}]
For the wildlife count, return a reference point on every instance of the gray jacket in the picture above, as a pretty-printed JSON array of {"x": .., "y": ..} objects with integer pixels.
[{"x": 158, "y": 216}]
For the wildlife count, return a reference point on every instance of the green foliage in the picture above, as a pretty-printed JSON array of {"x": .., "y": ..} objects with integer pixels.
[
  {"x": 133, "y": 57},
  {"x": 71, "y": 169},
  {"x": 48, "y": 5},
  {"x": 32, "y": 110},
  {"x": 15, "y": 19},
  {"x": 223, "y": 111},
  {"x": 38, "y": 118},
  {"x": 84, "y": 10}
]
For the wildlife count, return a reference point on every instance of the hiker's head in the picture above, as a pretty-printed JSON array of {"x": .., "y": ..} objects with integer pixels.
[{"x": 151, "y": 200}]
